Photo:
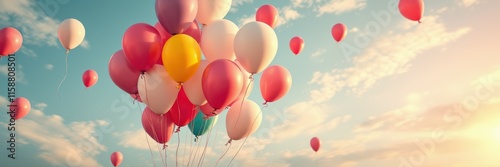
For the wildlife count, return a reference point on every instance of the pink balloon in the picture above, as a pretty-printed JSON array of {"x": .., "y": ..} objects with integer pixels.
[
  {"x": 246, "y": 82},
  {"x": 194, "y": 31},
  {"x": 11, "y": 41},
  {"x": 89, "y": 78},
  {"x": 275, "y": 82},
  {"x": 182, "y": 112},
  {"x": 412, "y": 9},
  {"x": 142, "y": 46},
  {"x": 19, "y": 108},
  {"x": 158, "y": 127},
  {"x": 267, "y": 14},
  {"x": 339, "y": 31},
  {"x": 221, "y": 83},
  {"x": 136, "y": 97},
  {"x": 122, "y": 73},
  {"x": 164, "y": 34},
  {"x": 315, "y": 144},
  {"x": 209, "y": 110},
  {"x": 296, "y": 44},
  {"x": 176, "y": 15},
  {"x": 116, "y": 158}
]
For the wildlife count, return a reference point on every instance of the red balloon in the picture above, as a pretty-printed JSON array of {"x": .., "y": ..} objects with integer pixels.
[
  {"x": 158, "y": 127},
  {"x": 296, "y": 44},
  {"x": 89, "y": 78},
  {"x": 122, "y": 73},
  {"x": 20, "y": 107},
  {"x": 116, "y": 158},
  {"x": 412, "y": 9},
  {"x": 267, "y": 14},
  {"x": 275, "y": 82},
  {"x": 315, "y": 144},
  {"x": 182, "y": 112},
  {"x": 11, "y": 41},
  {"x": 339, "y": 31},
  {"x": 221, "y": 83},
  {"x": 209, "y": 110},
  {"x": 142, "y": 46}
]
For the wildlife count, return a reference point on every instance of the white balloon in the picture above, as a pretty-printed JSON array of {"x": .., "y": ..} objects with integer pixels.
[
  {"x": 71, "y": 33},
  {"x": 218, "y": 39},
  {"x": 255, "y": 46},
  {"x": 157, "y": 90},
  {"x": 211, "y": 10},
  {"x": 243, "y": 121},
  {"x": 193, "y": 88}
]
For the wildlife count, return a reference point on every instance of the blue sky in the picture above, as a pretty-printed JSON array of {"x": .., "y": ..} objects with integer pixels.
[{"x": 423, "y": 95}]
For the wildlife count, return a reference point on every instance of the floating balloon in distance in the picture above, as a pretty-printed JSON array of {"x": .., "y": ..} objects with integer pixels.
[
  {"x": 275, "y": 82},
  {"x": 221, "y": 83},
  {"x": 11, "y": 41},
  {"x": 267, "y": 14},
  {"x": 157, "y": 90},
  {"x": 158, "y": 127},
  {"x": 142, "y": 46},
  {"x": 176, "y": 15},
  {"x": 19, "y": 108},
  {"x": 411, "y": 9},
  {"x": 243, "y": 119},
  {"x": 122, "y": 73},
  {"x": 209, "y": 11},
  {"x": 296, "y": 44},
  {"x": 181, "y": 56},
  {"x": 209, "y": 111},
  {"x": 247, "y": 84},
  {"x": 255, "y": 46},
  {"x": 218, "y": 40},
  {"x": 201, "y": 125},
  {"x": 193, "y": 88},
  {"x": 116, "y": 158},
  {"x": 71, "y": 33},
  {"x": 315, "y": 144},
  {"x": 136, "y": 97},
  {"x": 182, "y": 112},
  {"x": 89, "y": 78},
  {"x": 339, "y": 31}
]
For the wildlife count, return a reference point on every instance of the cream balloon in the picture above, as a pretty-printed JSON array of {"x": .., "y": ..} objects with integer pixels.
[
  {"x": 211, "y": 10},
  {"x": 193, "y": 87},
  {"x": 243, "y": 121},
  {"x": 255, "y": 46},
  {"x": 157, "y": 90},
  {"x": 71, "y": 33},
  {"x": 218, "y": 39}
]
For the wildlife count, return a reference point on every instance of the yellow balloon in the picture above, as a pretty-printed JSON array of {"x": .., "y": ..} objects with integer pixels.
[{"x": 181, "y": 57}]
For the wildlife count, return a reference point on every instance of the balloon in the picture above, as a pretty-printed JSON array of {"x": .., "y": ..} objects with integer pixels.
[
  {"x": 199, "y": 126},
  {"x": 218, "y": 40},
  {"x": 209, "y": 111},
  {"x": 164, "y": 34},
  {"x": 193, "y": 88},
  {"x": 267, "y": 14},
  {"x": 296, "y": 44},
  {"x": 71, "y": 33},
  {"x": 255, "y": 46},
  {"x": 411, "y": 9},
  {"x": 136, "y": 97},
  {"x": 339, "y": 31},
  {"x": 142, "y": 46},
  {"x": 181, "y": 56},
  {"x": 246, "y": 84},
  {"x": 275, "y": 82},
  {"x": 19, "y": 108},
  {"x": 209, "y": 11},
  {"x": 89, "y": 78},
  {"x": 221, "y": 83},
  {"x": 122, "y": 73},
  {"x": 315, "y": 144},
  {"x": 116, "y": 158},
  {"x": 158, "y": 127},
  {"x": 176, "y": 15},
  {"x": 182, "y": 112},
  {"x": 194, "y": 31},
  {"x": 243, "y": 119},
  {"x": 157, "y": 90},
  {"x": 11, "y": 41}
]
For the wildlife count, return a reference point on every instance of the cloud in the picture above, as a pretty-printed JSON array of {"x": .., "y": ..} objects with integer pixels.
[
  {"x": 287, "y": 14},
  {"x": 340, "y": 6},
  {"x": 28, "y": 52},
  {"x": 236, "y": 3},
  {"x": 58, "y": 143},
  {"x": 468, "y": 3},
  {"x": 389, "y": 55},
  {"x": 49, "y": 66},
  {"x": 354, "y": 30},
  {"x": 318, "y": 53},
  {"x": 4, "y": 102},
  {"x": 19, "y": 74},
  {"x": 246, "y": 19}
]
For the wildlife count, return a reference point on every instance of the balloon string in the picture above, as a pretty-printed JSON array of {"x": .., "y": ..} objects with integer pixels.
[
  {"x": 65, "y": 75},
  {"x": 196, "y": 152},
  {"x": 184, "y": 150},
  {"x": 229, "y": 142},
  {"x": 177, "y": 151},
  {"x": 248, "y": 134},
  {"x": 149, "y": 120},
  {"x": 200, "y": 162},
  {"x": 243, "y": 100},
  {"x": 147, "y": 140},
  {"x": 424, "y": 31}
]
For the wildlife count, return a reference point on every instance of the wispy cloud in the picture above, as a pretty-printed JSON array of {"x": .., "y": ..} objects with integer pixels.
[
  {"x": 340, "y": 6},
  {"x": 468, "y": 3},
  {"x": 236, "y": 3},
  {"x": 19, "y": 74},
  {"x": 318, "y": 53},
  {"x": 49, "y": 66}
]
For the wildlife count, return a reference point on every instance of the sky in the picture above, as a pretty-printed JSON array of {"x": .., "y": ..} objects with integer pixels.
[{"x": 403, "y": 94}]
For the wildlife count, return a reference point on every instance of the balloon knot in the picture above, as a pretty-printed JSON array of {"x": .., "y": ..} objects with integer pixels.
[
  {"x": 265, "y": 104},
  {"x": 229, "y": 141},
  {"x": 419, "y": 22},
  {"x": 206, "y": 117},
  {"x": 251, "y": 77},
  {"x": 179, "y": 86},
  {"x": 67, "y": 51},
  {"x": 174, "y": 34},
  {"x": 178, "y": 129},
  {"x": 227, "y": 107},
  {"x": 196, "y": 139},
  {"x": 165, "y": 146}
]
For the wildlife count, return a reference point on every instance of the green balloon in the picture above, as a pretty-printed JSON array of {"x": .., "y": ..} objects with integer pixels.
[{"x": 199, "y": 126}]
